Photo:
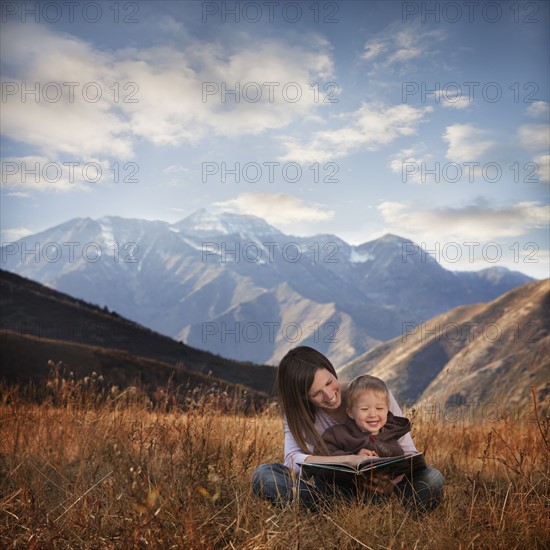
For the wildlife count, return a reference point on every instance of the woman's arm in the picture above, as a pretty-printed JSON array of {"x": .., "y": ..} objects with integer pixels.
[
  {"x": 294, "y": 455},
  {"x": 406, "y": 441}
]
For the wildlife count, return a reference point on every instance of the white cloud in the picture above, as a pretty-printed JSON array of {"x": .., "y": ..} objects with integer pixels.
[
  {"x": 409, "y": 162},
  {"x": 37, "y": 173},
  {"x": 539, "y": 109},
  {"x": 474, "y": 221},
  {"x": 14, "y": 234},
  {"x": 279, "y": 209},
  {"x": 372, "y": 126},
  {"x": 397, "y": 45},
  {"x": 466, "y": 143},
  {"x": 373, "y": 48},
  {"x": 454, "y": 100},
  {"x": 474, "y": 236},
  {"x": 175, "y": 169},
  {"x": 154, "y": 94},
  {"x": 534, "y": 137},
  {"x": 543, "y": 163}
]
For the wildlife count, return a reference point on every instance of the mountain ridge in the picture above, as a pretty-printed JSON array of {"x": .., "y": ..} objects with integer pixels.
[
  {"x": 215, "y": 286},
  {"x": 32, "y": 310},
  {"x": 480, "y": 353}
]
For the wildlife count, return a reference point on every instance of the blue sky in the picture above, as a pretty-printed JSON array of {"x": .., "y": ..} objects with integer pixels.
[{"x": 425, "y": 119}]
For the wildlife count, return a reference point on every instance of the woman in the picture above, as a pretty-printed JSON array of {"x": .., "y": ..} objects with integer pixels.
[{"x": 313, "y": 400}]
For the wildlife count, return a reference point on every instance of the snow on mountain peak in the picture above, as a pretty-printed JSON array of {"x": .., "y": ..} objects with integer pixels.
[
  {"x": 107, "y": 233},
  {"x": 205, "y": 223},
  {"x": 359, "y": 258}
]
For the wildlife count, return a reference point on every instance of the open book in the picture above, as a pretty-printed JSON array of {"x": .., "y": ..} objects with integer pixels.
[{"x": 391, "y": 466}]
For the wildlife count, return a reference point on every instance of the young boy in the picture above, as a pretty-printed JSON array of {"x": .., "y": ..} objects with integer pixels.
[{"x": 371, "y": 429}]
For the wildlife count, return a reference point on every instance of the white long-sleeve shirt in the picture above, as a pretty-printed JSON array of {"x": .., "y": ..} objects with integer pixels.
[{"x": 294, "y": 455}]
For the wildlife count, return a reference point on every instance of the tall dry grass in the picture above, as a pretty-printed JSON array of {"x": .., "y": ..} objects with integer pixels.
[{"x": 89, "y": 467}]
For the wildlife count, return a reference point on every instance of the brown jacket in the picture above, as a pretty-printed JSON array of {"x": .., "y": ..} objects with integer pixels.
[{"x": 348, "y": 439}]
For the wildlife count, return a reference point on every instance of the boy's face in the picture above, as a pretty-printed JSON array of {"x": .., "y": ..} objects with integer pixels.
[{"x": 370, "y": 412}]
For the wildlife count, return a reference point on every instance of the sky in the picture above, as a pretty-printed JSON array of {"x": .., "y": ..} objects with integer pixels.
[{"x": 428, "y": 120}]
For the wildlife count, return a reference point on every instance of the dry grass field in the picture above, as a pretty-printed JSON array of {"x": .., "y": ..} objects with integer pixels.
[{"x": 84, "y": 466}]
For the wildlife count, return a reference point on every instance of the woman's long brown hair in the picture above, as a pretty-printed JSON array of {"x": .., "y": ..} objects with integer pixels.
[{"x": 294, "y": 378}]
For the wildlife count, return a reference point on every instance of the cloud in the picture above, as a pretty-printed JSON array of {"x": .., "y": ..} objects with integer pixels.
[
  {"x": 454, "y": 100},
  {"x": 37, "y": 173},
  {"x": 279, "y": 209},
  {"x": 539, "y": 109},
  {"x": 543, "y": 163},
  {"x": 14, "y": 234},
  {"x": 475, "y": 221},
  {"x": 466, "y": 143},
  {"x": 57, "y": 96},
  {"x": 408, "y": 163},
  {"x": 373, "y": 125},
  {"x": 176, "y": 174},
  {"x": 156, "y": 94},
  {"x": 398, "y": 45},
  {"x": 534, "y": 137}
]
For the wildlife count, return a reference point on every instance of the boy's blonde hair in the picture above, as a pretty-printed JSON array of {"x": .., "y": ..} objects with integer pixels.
[{"x": 364, "y": 383}]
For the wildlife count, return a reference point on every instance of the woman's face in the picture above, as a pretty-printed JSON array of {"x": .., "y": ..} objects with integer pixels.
[{"x": 325, "y": 390}]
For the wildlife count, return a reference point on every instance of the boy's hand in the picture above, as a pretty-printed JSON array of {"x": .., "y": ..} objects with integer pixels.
[{"x": 366, "y": 452}]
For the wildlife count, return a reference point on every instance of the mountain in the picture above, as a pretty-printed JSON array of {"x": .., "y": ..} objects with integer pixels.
[
  {"x": 236, "y": 286},
  {"x": 483, "y": 355},
  {"x": 39, "y": 323}
]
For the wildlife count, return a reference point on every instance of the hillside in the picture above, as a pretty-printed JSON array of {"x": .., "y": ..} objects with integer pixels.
[
  {"x": 483, "y": 353},
  {"x": 29, "y": 309},
  {"x": 26, "y": 358}
]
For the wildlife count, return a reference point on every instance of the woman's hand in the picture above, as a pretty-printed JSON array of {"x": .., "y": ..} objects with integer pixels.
[
  {"x": 353, "y": 460},
  {"x": 366, "y": 452}
]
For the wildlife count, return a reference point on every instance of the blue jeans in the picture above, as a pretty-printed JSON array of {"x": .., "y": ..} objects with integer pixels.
[{"x": 275, "y": 483}]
